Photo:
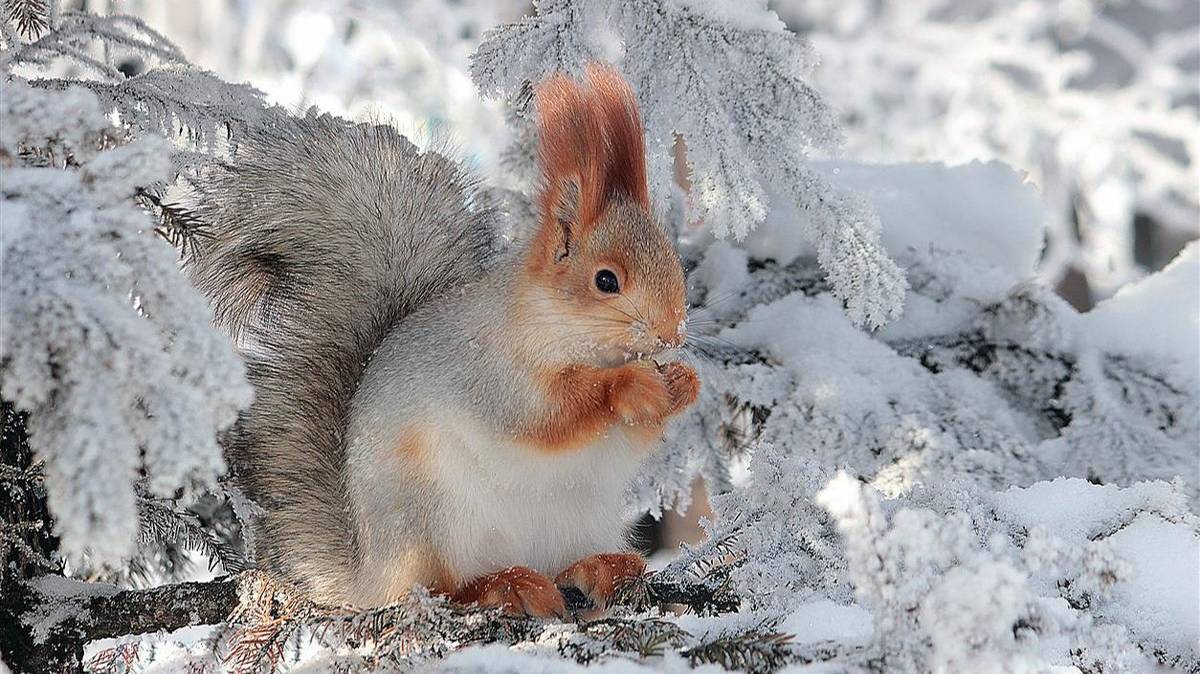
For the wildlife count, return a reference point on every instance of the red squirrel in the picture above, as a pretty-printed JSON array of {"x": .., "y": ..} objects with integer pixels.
[{"x": 429, "y": 411}]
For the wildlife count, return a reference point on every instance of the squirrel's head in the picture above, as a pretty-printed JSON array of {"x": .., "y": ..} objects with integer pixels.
[{"x": 600, "y": 263}]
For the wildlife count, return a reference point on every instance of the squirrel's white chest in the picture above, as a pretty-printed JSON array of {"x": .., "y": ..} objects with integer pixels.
[{"x": 507, "y": 505}]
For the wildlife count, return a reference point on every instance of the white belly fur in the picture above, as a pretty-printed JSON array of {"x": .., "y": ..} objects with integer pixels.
[{"x": 511, "y": 505}]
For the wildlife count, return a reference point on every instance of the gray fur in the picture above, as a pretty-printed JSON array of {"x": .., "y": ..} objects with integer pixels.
[{"x": 324, "y": 236}]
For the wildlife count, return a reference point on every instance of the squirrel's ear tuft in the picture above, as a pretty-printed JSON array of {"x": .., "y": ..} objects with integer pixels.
[
  {"x": 625, "y": 147},
  {"x": 571, "y": 142},
  {"x": 591, "y": 149}
]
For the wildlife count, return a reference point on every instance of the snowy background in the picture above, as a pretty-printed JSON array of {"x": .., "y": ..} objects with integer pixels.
[
  {"x": 945, "y": 312},
  {"x": 1094, "y": 101}
]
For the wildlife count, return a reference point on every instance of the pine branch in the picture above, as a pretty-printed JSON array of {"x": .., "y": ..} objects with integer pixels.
[
  {"x": 31, "y": 16},
  {"x": 602, "y": 639},
  {"x": 758, "y": 650},
  {"x": 88, "y": 617},
  {"x": 26, "y": 544},
  {"x": 179, "y": 101},
  {"x": 178, "y": 225},
  {"x": 165, "y": 525},
  {"x": 1008, "y": 363},
  {"x": 264, "y": 615},
  {"x": 75, "y": 30},
  {"x": 14, "y": 540},
  {"x": 711, "y": 594}
]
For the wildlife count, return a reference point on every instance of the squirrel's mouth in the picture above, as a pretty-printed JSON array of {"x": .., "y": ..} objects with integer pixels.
[
  {"x": 616, "y": 356},
  {"x": 622, "y": 352},
  {"x": 657, "y": 355}
]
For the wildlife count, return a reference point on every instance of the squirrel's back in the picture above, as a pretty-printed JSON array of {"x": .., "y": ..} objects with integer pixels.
[{"x": 322, "y": 237}]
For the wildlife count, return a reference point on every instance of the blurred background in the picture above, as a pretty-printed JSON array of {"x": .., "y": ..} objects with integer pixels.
[{"x": 1095, "y": 100}]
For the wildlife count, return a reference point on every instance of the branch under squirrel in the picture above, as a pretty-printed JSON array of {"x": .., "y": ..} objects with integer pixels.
[{"x": 171, "y": 607}]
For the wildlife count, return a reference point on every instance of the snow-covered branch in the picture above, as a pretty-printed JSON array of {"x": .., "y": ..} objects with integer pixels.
[
  {"x": 104, "y": 342},
  {"x": 732, "y": 85}
]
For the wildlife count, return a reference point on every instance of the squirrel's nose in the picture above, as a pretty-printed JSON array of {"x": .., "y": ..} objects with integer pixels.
[{"x": 671, "y": 334}]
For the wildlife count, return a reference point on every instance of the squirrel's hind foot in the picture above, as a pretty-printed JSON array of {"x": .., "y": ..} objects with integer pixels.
[
  {"x": 518, "y": 590},
  {"x": 598, "y": 579}
]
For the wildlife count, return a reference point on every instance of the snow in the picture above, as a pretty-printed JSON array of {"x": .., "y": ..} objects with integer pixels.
[
  {"x": 847, "y": 381},
  {"x": 1147, "y": 526},
  {"x": 979, "y": 225},
  {"x": 181, "y": 650},
  {"x": 1078, "y": 511},
  {"x": 778, "y": 237},
  {"x": 502, "y": 660},
  {"x": 722, "y": 273},
  {"x": 824, "y": 620},
  {"x": 704, "y": 627},
  {"x": 984, "y": 210},
  {"x": 1160, "y": 601},
  {"x": 100, "y": 333},
  {"x": 749, "y": 14},
  {"x": 1158, "y": 316},
  {"x": 1096, "y": 101},
  {"x": 59, "y": 603}
]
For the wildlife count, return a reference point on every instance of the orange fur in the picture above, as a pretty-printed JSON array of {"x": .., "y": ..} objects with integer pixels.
[
  {"x": 600, "y": 577},
  {"x": 625, "y": 161},
  {"x": 590, "y": 142},
  {"x": 518, "y": 590},
  {"x": 420, "y": 565},
  {"x": 579, "y": 410},
  {"x": 682, "y": 383},
  {"x": 413, "y": 445},
  {"x": 683, "y": 387},
  {"x": 585, "y": 401}
]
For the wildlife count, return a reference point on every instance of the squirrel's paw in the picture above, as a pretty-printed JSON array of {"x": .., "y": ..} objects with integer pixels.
[
  {"x": 651, "y": 393},
  {"x": 682, "y": 384},
  {"x": 518, "y": 590},
  {"x": 598, "y": 579}
]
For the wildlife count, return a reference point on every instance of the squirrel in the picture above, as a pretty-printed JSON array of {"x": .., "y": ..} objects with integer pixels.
[{"x": 432, "y": 411}]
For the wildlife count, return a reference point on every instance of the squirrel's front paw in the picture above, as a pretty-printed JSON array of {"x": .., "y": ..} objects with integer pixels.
[
  {"x": 518, "y": 590},
  {"x": 598, "y": 578},
  {"x": 682, "y": 383},
  {"x": 650, "y": 393}
]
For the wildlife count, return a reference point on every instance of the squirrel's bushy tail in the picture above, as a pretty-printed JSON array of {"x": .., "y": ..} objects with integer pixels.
[{"x": 323, "y": 236}]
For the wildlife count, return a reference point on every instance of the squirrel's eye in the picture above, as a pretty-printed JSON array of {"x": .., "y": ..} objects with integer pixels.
[{"x": 606, "y": 282}]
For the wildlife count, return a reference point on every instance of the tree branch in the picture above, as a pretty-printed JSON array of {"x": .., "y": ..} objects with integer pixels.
[{"x": 89, "y": 616}]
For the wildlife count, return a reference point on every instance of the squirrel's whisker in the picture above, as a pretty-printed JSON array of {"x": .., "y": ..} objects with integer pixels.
[
  {"x": 635, "y": 308},
  {"x": 621, "y": 311}
]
